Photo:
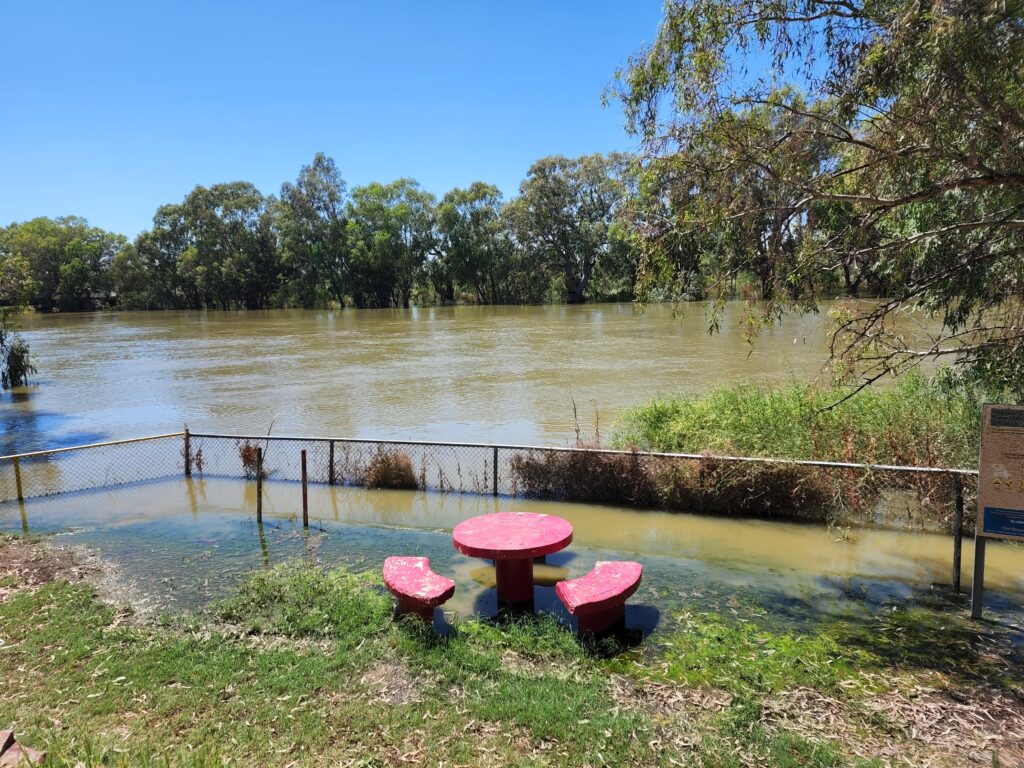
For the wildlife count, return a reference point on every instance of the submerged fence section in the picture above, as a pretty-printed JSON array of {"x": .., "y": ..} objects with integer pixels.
[
  {"x": 87, "y": 467},
  {"x": 735, "y": 485}
]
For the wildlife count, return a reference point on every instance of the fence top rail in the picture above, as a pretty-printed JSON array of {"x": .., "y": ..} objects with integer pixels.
[
  {"x": 602, "y": 451},
  {"x": 511, "y": 447},
  {"x": 51, "y": 451}
]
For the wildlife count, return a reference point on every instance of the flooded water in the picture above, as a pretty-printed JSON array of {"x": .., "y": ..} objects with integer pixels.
[
  {"x": 488, "y": 374},
  {"x": 183, "y": 543}
]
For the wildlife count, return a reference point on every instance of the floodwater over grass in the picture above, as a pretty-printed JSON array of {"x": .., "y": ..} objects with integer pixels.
[
  {"x": 766, "y": 643},
  {"x": 182, "y": 543}
]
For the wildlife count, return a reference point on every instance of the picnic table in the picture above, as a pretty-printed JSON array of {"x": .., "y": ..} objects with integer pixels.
[{"x": 512, "y": 540}]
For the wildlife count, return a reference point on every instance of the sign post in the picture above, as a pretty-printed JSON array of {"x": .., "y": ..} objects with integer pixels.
[{"x": 1000, "y": 487}]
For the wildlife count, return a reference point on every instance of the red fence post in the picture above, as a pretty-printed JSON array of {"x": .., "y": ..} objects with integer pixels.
[{"x": 305, "y": 494}]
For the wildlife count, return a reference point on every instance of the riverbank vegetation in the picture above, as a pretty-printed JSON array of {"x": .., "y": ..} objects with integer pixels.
[
  {"x": 303, "y": 667},
  {"x": 917, "y": 421}
]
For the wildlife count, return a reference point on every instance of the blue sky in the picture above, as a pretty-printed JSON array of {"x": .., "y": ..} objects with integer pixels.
[{"x": 108, "y": 110}]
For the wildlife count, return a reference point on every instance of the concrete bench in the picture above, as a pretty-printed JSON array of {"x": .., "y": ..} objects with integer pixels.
[
  {"x": 419, "y": 590},
  {"x": 598, "y": 599}
]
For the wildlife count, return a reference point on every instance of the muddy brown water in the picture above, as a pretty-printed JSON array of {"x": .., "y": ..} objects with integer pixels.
[
  {"x": 503, "y": 374},
  {"x": 487, "y": 374}
]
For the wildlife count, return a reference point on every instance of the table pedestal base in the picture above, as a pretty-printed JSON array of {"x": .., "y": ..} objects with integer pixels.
[
  {"x": 425, "y": 612},
  {"x": 515, "y": 580}
]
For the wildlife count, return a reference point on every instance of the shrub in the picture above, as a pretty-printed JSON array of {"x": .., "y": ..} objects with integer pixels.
[
  {"x": 248, "y": 452},
  {"x": 391, "y": 469},
  {"x": 706, "y": 485}
]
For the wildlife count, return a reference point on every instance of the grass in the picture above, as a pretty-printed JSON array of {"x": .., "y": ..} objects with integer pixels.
[
  {"x": 918, "y": 421},
  {"x": 304, "y": 667}
]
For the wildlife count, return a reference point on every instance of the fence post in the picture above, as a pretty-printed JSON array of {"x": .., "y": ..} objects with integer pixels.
[
  {"x": 188, "y": 454},
  {"x": 17, "y": 478},
  {"x": 305, "y": 494},
  {"x": 978, "y": 587},
  {"x": 494, "y": 473},
  {"x": 330, "y": 465},
  {"x": 259, "y": 485},
  {"x": 958, "y": 533}
]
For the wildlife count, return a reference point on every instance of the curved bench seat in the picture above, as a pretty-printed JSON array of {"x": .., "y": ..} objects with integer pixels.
[
  {"x": 419, "y": 590},
  {"x": 598, "y": 599}
]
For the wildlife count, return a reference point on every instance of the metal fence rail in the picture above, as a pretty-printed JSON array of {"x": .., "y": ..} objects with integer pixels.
[
  {"x": 86, "y": 467},
  {"x": 451, "y": 467}
]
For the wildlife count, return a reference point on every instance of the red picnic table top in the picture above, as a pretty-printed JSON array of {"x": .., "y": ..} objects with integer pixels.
[{"x": 512, "y": 535}]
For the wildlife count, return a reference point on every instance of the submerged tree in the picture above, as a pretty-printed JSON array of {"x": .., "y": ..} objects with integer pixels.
[
  {"x": 311, "y": 219},
  {"x": 216, "y": 249},
  {"x": 67, "y": 259},
  {"x": 897, "y": 158},
  {"x": 564, "y": 214},
  {"x": 391, "y": 231},
  {"x": 475, "y": 249},
  {"x": 16, "y": 285}
]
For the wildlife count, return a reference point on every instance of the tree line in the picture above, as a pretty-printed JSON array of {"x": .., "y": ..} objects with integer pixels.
[{"x": 319, "y": 244}]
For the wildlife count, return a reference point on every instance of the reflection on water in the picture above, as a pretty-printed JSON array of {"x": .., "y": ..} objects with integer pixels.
[{"x": 185, "y": 542}]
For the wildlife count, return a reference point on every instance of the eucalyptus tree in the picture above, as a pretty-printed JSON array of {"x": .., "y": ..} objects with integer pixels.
[
  {"x": 67, "y": 260},
  {"x": 917, "y": 111},
  {"x": 217, "y": 248},
  {"x": 475, "y": 250},
  {"x": 390, "y": 232},
  {"x": 312, "y": 223},
  {"x": 564, "y": 212}
]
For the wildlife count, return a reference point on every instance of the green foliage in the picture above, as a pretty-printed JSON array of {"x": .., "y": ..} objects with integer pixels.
[
  {"x": 383, "y": 245},
  {"x": 917, "y": 420},
  {"x": 857, "y": 146},
  {"x": 312, "y": 220},
  {"x": 16, "y": 285},
  {"x": 67, "y": 262},
  {"x": 390, "y": 230},
  {"x": 564, "y": 215},
  {"x": 15, "y": 360}
]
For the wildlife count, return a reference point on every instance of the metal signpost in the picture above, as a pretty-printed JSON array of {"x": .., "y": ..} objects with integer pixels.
[{"x": 1000, "y": 487}]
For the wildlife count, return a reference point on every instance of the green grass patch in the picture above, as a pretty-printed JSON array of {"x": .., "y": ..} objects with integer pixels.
[
  {"x": 918, "y": 420},
  {"x": 304, "y": 667},
  {"x": 758, "y": 656}
]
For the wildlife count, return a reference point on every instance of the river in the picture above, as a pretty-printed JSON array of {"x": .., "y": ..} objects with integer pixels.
[
  {"x": 489, "y": 374},
  {"x": 506, "y": 374}
]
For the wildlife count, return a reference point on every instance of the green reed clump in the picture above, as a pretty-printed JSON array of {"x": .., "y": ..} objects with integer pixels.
[
  {"x": 918, "y": 420},
  {"x": 391, "y": 469}
]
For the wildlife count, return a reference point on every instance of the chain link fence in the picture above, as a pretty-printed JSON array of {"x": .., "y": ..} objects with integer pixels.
[
  {"x": 730, "y": 485},
  {"x": 86, "y": 467}
]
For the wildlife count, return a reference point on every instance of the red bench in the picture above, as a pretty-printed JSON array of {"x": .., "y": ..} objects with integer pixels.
[
  {"x": 598, "y": 599},
  {"x": 419, "y": 590}
]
